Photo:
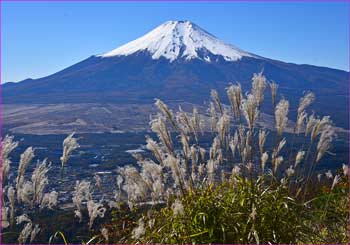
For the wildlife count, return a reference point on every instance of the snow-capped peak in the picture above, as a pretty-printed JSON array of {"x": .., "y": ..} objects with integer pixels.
[{"x": 175, "y": 39}]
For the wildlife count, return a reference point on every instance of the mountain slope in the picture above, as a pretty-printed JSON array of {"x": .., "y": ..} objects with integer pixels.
[{"x": 179, "y": 61}]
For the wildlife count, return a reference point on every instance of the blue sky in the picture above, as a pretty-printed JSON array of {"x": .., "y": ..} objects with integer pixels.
[{"x": 40, "y": 38}]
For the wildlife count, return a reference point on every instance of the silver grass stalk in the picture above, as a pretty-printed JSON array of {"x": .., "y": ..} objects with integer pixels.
[
  {"x": 119, "y": 181},
  {"x": 274, "y": 88},
  {"x": 213, "y": 116},
  {"x": 202, "y": 126},
  {"x": 258, "y": 87},
  {"x": 319, "y": 125},
  {"x": 310, "y": 123},
  {"x": 34, "y": 233},
  {"x": 25, "y": 233},
  {"x": 134, "y": 185},
  {"x": 345, "y": 170},
  {"x": 300, "y": 121},
  {"x": 166, "y": 112},
  {"x": 290, "y": 171},
  {"x": 250, "y": 167},
  {"x": 186, "y": 176},
  {"x": 201, "y": 170},
  {"x": 194, "y": 175},
  {"x": 117, "y": 199},
  {"x": 174, "y": 164},
  {"x": 211, "y": 168},
  {"x": 152, "y": 174},
  {"x": 262, "y": 139},
  {"x": 249, "y": 144},
  {"x": 223, "y": 127},
  {"x": 234, "y": 144},
  {"x": 5, "y": 170},
  {"x": 158, "y": 190},
  {"x": 104, "y": 233},
  {"x": 215, "y": 148},
  {"x": 241, "y": 134},
  {"x": 253, "y": 213},
  {"x": 220, "y": 156},
  {"x": 25, "y": 193},
  {"x": 158, "y": 125},
  {"x": 4, "y": 217},
  {"x": 151, "y": 223},
  {"x": 140, "y": 230},
  {"x": 280, "y": 145},
  {"x": 11, "y": 198},
  {"x": 329, "y": 174},
  {"x": 82, "y": 192},
  {"x": 39, "y": 181},
  {"x": 299, "y": 157},
  {"x": 7, "y": 146},
  {"x": 277, "y": 160},
  {"x": 78, "y": 214},
  {"x": 325, "y": 141},
  {"x": 98, "y": 182},
  {"x": 49, "y": 200},
  {"x": 194, "y": 155},
  {"x": 155, "y": 149},
  {"x": 248, "y": 138},
  {"x": 95, "y": 210},
  {"x": 250, "y": 110},
  {"x": 235, "y": 171},
  {"x": 184, "y": 121},
  {"x": 305, "y": 101},
  {"x": 245, "y": 154},
  {"x": 194, "y": 161},
  {"x": 178, "y": 208},
  {"x": 283, "y": 181},
  {"x": 26, "y": 157},
  {"x": 113, "y": 204},
  {"x": 264, "y": 158},
  {"x": 138, "y": 157},
  {"x": 335, "y": 181},
  {"x": 234, "y": 93},
  {"x": 69, "y": 145},
  {"x": 195, "y": 123},
  {"x": 215, "y": 97},
  {"x": 24, "y": 218},
  {"x": 202, "y": 152},
  {"x": 223, "y": 176},
  {"x": 185, "y": 147},
  {"x": 281, "y": 115}
]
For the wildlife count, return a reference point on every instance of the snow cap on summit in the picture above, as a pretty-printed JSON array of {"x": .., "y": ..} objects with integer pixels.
[{"x": 180, "y": 39}]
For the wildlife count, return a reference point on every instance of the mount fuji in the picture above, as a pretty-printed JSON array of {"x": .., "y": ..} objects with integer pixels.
[{"x": 179, "y": 62}]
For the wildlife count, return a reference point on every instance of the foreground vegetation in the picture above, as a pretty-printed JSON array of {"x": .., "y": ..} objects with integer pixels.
[
  {"x": 237, "y": 190},
  {"x": 242, "y": 212}
]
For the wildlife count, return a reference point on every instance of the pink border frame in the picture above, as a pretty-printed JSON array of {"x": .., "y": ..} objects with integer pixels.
[{"x": 156, "y": 1}]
